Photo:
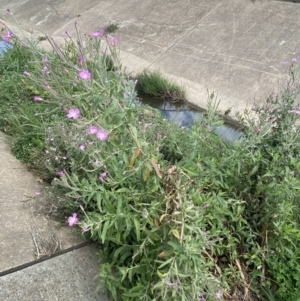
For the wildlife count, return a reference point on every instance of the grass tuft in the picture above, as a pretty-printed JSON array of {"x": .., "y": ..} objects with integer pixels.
[
  {"x": 153, "y": 83},
  {"x": 111, "y": 28}
]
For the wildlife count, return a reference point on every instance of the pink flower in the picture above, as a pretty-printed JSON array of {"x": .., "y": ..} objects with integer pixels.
[
  {"x": 114, "y": 41},
  {"x": 257, "y": 130},
  {"x": 73, "y": 113},
  {"x": 45, "y": 59},
  {"x": 84, "y": 74},
  {"x": 97, "y": 33},
  {"x": 73, "y": 219},
  {"x": 102, "y": 134},
  {"x": 7, "y": 36},
  {"x": 37, "y": 98},
  {"x": 82, "y": 147},
  {"x": 84, "y": 229},
  {"x": 46, "y": 85},
  {"x": 45, "y": 70},
  {"x": 26, "y": 73},
  {"x": 80, "y": 59},
  {"x": 294, "y": 111},
  {"x": 61, "y": 173},
  {"x": 92, "y": 130},
  {"x": 206, "y": 205},
  {"x": 67, "y": 33},
  {"x": 219, "y": 295},
  {"x": 103, "y": 175},
  {"x": 37, "y": 193}
]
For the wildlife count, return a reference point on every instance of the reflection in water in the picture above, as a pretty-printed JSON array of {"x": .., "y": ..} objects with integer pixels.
[
  {"x": 185, "y": 115},
  {"x": 4, "y": 46}
]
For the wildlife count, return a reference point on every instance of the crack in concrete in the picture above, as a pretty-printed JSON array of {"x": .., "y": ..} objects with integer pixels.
[{"x": 34, "y": 262}]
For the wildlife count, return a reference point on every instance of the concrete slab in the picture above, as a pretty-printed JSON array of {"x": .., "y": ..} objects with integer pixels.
[
  {"x": 26, "y": 233},
  {"x": 72, "y": 277},
  {"x": 236, "y": 48}
]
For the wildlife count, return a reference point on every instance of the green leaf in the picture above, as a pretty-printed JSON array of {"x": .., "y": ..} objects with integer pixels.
[
  {"x": 133, "y": 131},
  {"x": 119, "y": 205},
  {"x": 254, "y": 170},
  {"x": 120, "y": 251},
  {"x": 166, "y": 262},
  {"x": 104, "y": 231},
  {"x": 99, "y": 202},
  {"x": 109, "y": 207},
  {"x": 122, "y": 190},
  {"x": 137, "y": 229}
]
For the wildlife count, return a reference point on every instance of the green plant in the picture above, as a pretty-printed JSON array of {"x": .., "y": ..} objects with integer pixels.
[
  {"x": 111, "y": 28},
  {"x": 153, "y": 83}
]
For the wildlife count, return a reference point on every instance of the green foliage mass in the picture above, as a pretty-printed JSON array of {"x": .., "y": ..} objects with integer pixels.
[
  {"x": 180, "y": 213},
  {"x": 153, "y": 83}
]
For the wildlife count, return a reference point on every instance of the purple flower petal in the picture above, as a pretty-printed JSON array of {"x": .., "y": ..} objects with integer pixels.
[
  {"x": 72, "y": 220},
  {"x": 114, "y": 41},
  {"x": 97, "y": 33},
  {"x": 92, "y": 130},
  {"x": 45, "y": 70},
  {"x": 84, "y": 74},
  {"x": 73, "y": 113},
  {"x": 61, "y": 173},
  {"x": 37, "y": 98},
  {"x": 102, "y": 134},
  {"x": 103, "y": 175},
  {"x": 294, "y": 111},
  {"x": 7, "y": 36},
  {"x": 67, "y": 33}
]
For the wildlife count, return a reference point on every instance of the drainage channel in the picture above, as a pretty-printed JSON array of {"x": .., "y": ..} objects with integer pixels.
[
  {"x": 34, "y": 262},
  {"x": 4, "y": 46},
  {"x": 184, "y": 115}
]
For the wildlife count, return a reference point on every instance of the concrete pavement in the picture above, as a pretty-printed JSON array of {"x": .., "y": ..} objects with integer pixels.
[{"x": 69, "y": 277}]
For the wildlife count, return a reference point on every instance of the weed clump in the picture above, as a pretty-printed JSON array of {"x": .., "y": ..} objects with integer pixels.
[{"x": 153, "y": 83}]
